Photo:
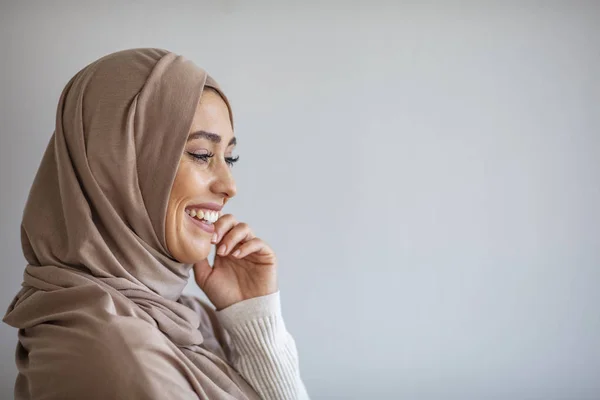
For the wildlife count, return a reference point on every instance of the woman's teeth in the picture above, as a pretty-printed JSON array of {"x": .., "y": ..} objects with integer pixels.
[{"x": 207, "y": 216}]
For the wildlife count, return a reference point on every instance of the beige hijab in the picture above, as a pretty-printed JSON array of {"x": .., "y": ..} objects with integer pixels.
[{"x": 100, "y": 314}]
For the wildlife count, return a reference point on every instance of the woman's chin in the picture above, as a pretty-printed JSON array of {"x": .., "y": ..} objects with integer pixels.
[
  {"x": 199, "y": 249},
  {"x": 190, "y": 245}
]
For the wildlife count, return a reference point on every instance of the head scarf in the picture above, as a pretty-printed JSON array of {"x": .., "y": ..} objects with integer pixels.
[{"x": 93, "y": 229}]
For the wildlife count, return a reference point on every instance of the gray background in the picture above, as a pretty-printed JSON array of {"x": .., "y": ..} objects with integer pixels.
[{"x": 427, "y": 172}]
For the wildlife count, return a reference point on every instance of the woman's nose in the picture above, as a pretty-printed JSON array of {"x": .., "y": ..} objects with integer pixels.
[{"x": 224, "y": 184}]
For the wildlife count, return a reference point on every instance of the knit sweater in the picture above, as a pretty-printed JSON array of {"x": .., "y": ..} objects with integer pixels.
[{"x": 264, "y": 352}]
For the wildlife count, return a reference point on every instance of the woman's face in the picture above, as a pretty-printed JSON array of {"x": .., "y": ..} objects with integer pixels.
[{"x": 203, "y": 183}]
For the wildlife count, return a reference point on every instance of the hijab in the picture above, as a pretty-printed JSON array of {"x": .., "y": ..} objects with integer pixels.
[{"x": 93, "y": 235}]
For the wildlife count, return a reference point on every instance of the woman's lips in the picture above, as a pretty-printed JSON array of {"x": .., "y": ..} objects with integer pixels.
[{"x": 210, "y": 228}]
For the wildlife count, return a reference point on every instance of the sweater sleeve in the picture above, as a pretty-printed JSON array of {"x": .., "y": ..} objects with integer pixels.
[{"x": 263, "y": 352}]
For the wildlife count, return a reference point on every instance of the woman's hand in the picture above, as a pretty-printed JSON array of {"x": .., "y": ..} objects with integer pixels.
[{"x": 244, "y": 265}]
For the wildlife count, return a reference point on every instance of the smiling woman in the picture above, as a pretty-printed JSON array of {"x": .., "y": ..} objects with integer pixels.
[
  {"x": 202, "y": 186},
  {"x": 128, "y": 199}
]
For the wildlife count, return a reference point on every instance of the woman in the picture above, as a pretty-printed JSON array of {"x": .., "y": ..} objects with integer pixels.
[{"x": 127, "y": 200}]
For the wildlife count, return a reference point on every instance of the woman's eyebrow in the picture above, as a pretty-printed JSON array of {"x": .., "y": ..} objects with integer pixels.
[{"x": 213, "y": 137}]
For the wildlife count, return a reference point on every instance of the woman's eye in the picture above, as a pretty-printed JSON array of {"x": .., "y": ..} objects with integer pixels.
[
  {"x": 231, "y": 160},
  {"x": 204, "y": 157}
]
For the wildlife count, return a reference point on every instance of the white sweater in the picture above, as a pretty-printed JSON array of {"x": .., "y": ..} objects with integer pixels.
[{"x": 264, "y": 352}]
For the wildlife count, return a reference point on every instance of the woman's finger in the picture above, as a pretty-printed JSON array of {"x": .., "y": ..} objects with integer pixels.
[
  {"x": 254, "y": 245},
  {"x": 223, "y": 225},
  {"x": 238, "y": 234}
]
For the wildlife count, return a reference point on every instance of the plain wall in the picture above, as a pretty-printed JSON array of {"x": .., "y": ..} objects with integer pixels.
[{"x": 427, "y": 172}]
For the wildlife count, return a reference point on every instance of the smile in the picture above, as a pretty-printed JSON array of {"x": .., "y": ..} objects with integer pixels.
[
  {"x": 204, "y": 219},
  {"x": 208, "y": 217}
]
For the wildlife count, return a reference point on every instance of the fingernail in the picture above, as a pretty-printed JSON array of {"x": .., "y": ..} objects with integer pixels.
[
  {"x": 236, "y": 253},
  {"x": 222, "y": 250},
  {"x": 214, "y": 238}
]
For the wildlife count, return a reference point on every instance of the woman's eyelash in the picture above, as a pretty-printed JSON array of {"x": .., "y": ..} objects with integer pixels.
[
  {"x": 202, "y": 157},
  {"x": 205, "y": 157},
  {"x": 231, "y": 160}
]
